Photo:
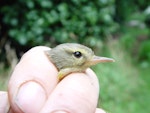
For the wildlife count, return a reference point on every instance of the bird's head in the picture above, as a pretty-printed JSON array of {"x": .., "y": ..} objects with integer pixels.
[{"x": 72, "y": 55}]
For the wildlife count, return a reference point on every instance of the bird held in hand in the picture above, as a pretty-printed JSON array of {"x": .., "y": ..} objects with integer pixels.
[{"x": 73, "y": 57}]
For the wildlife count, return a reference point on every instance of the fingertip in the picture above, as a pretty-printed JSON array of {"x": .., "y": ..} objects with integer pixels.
[
  {"x": 4, "y": 104},
  {"x": 98, "y": 110},
  {"x": 93, "y": 77}
]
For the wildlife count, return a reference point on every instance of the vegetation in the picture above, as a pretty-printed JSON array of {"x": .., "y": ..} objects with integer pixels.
[
  {"x": 124, "y": 86},
  {"x": 115, "y": 28}
]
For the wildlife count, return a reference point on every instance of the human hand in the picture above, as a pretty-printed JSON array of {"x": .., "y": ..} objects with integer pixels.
[{"x": 34, "y": 88}]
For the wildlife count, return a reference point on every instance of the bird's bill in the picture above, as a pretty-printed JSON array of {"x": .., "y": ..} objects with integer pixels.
[{"x": 98, "y": 59}]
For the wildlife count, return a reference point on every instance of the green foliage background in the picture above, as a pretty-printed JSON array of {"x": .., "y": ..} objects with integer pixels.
[
  {"x": 33, "y": 22},
  {"x": 115, "y": 28}
]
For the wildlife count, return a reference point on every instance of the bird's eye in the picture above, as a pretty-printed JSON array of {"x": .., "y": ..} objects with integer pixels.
[{"x": 77, "y": 54}]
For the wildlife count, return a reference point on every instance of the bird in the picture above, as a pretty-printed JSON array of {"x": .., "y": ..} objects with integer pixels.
[{"x": 73, "y": 57}]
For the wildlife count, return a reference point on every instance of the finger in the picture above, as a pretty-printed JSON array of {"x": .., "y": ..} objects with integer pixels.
[
  {"x": 76, "y": 93},
  {"x": 32, "y": 81},
  {"x": 4, "y": 104},
  {"x": 98, "y": 110}
]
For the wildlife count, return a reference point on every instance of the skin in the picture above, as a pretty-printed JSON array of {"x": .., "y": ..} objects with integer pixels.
[{"x": 34, "y": 82}]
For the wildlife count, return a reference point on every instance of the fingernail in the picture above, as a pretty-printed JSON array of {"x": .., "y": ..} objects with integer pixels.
[{"x": 31, "y": 97}]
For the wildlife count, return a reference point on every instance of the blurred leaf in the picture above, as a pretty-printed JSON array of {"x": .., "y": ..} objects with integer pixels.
[
  {"x": 144, "y": 52},
  {"x": 46, "y": 3}
]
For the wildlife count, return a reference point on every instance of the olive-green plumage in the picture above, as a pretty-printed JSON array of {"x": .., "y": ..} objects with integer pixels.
[{"x": 72, "y": 57}]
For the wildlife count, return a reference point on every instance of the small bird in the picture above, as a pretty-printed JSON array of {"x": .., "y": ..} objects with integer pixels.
[{"x": 73, "y": 57}]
